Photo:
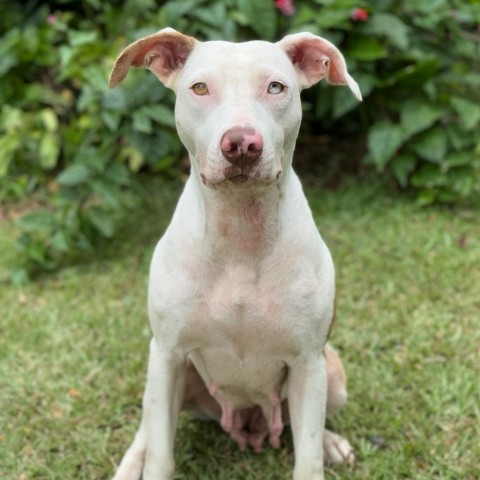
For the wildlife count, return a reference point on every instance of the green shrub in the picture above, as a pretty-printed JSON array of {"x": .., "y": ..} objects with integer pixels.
[
  {"x": 65, "y": 136},
  {"x": 79, "y": 147}
]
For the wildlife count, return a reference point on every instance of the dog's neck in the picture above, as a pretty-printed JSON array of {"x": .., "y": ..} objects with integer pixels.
[{"x": 242, "y": 223}]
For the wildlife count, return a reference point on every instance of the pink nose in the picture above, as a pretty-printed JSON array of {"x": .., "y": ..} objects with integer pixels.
[{"x": 241, "y": 146}]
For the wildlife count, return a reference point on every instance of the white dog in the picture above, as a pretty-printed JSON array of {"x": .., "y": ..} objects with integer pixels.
[{"x": 241, "y": 293}]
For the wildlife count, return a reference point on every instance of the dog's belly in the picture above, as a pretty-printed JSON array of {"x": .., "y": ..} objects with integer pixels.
[
  {"x": 253, "y": 379},
  {"x": 249, "y": 390},
  {"x": 242, "y": 355}
]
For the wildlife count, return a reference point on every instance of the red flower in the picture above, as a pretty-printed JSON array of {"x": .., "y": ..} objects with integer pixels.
[
  {"x": 359, "y": 15},
  {"x": 285, "y": 6}
]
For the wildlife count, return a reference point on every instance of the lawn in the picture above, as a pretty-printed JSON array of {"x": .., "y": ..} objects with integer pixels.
[{"x": 73, "y": 349}]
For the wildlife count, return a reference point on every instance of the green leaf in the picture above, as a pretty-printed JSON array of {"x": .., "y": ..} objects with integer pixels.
[
  {"x": 428, "y": 176},
  {"x": 425, "y": 6},
  {"x": 366, "y": 48},
  {"x": 134, "y": 157},
  {"x": 366, "y": 81},
  {"x": 343, "y": 102},
  {"x": 458, "y": 159},
  {"x": 74, "y": 175},
  {"x": 414, "y": 75},
  {"x": 111, "y": 119},
  {"x": 49, "y": 119},
  {"x": 417, "y": 115},
  {"x": 88, "y": 98},
  {"x": 469, "y": 111},
  {"x": 9, "y": 46},
  {"x": 49, "y": 150},
  {"x": 38, "y": 221},
  {"x": 331, "y": 17},
  {"x": 141, "y": 89},
  {"x": 115, "y": 99},
  {"x": 431, "y": 145},
  {"x": 97, "y": 4},
  {"x": 402, "y": 166},
  {"x": 176, "y": 10},
  {"x": 82, "y": 37},
  {"x": 261, "y": 15},
  {"x": 13, "y": 119},
  {"x": 59, "y": 241},
  {"x": 66, "y": 55},
  {"x": 159, "y": 113},
  {"x": 384, "y": 139},
  {"x": 459, "y": 137},
  {"x": 102, "y": 221},
  {"x": 96, "y": 76},
  {"x": 214, "y": 14},
  {"x": 461, "y": 180},
  {"x": 6, "y": 63},
  {"x": 389, "y": 26},
  {"x": 426, "y": 197},
  {"x": 19, "y": 276},
  {"x": 142, "y": 122},
  {"x": 8, "y": 145},
  {"x": 110, "y": 193},
  {"x": 118, "y": 173}
]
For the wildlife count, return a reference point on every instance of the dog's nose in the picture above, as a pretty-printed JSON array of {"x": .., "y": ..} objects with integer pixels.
[{"x": 241, "y": 145}]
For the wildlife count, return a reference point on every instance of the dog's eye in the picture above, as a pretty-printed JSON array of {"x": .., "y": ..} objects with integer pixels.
[
  {"x": 275, "y": 88},
  {"x": 200, "y": 88}
]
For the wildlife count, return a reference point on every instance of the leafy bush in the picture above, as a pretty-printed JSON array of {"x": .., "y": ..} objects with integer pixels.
[
  {"x": 419, "y": 59},
  {"x": 79, "y": 147}
]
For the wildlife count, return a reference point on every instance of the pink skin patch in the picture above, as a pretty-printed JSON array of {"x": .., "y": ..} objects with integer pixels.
[
  {"x": 227, "y": 416},
  {"x": 273, "y": 414},
  {"x": 251, "y": 426},
  {"x": 213, "y": 389}
]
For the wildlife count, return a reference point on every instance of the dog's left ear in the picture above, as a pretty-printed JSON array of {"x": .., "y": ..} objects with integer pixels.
[
  {"x": 315, "y": 58},
  {"x": 164, "y": 53}
]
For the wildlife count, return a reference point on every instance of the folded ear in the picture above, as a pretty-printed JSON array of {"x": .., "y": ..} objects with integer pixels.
[
  {"x": 164, "y": 53},
  {"x": 315, "y": 58}
]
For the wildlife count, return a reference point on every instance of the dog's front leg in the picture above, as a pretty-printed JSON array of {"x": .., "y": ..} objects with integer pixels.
[
  {"x": 307, "y": 393},
  {"x": 161, "y": 406}
]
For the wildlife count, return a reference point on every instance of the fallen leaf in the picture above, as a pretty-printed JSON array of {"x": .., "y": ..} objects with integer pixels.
[{"x": 75, "y": 393}]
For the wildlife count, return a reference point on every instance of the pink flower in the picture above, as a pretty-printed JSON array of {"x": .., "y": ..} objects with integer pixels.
[
  {"x": 359, "y": 15},
  {"x": 285, "y": 6},
  {"x": 52, "y": 19}
]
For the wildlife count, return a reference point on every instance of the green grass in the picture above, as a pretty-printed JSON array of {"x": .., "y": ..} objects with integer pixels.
[{"x": 73, "y": 350}]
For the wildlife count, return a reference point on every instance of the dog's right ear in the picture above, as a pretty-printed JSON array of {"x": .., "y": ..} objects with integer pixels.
[
  {"x": 164, "y": 53},
  {"x": 315, "y": 58}
]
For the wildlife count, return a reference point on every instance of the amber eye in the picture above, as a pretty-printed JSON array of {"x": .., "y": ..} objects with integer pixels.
[
  {"x": 200, "y": 88},
  {"x": 275, "y": 88}
]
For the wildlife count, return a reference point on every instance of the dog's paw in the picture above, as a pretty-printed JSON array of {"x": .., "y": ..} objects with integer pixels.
[{"x": 336, "y": 449}]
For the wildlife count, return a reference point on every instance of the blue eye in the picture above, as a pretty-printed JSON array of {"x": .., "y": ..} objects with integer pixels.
[{"x": 275, "y": 88}]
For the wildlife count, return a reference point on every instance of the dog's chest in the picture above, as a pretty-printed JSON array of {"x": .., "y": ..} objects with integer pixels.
[
  {"x": 240, "y": 335},
  {"x": 243, "y": 309}
]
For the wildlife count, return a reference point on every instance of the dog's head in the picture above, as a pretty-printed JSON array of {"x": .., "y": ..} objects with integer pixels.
[{"x": 238, "y": 107}]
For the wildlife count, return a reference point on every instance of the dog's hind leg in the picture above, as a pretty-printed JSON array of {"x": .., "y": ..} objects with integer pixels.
[
  {"x": 336, "y": 448},
  {"x": 336, "y": 381}
]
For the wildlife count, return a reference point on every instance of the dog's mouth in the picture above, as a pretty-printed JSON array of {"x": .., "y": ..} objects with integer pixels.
[
  {"x": 240, "y": 181},
  {"x": 240, "y": 178}
]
